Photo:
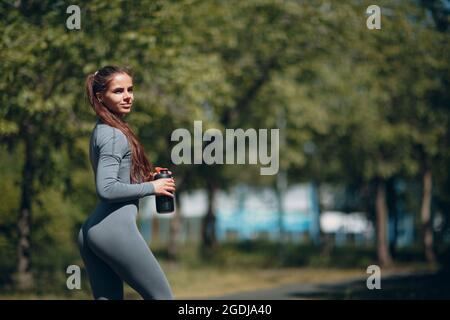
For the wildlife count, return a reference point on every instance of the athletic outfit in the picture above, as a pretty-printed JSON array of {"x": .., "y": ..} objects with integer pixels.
[{"x": 112, "y": 248}]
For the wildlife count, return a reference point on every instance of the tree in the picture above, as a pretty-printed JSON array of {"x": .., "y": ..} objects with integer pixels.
[{"x": 40, "y": 66}]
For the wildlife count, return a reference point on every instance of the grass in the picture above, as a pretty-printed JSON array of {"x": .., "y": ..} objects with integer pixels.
[
  {"x": 207, "y": 281},
  {"x": 204, "y": 283},
  {"x": 245, "y": 266}
]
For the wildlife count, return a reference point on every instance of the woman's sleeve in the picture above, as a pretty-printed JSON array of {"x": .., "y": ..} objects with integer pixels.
[{"x": 112, "y": 144}]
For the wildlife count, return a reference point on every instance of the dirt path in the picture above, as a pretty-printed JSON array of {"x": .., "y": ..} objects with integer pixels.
[{"x": 423, "y": 285}]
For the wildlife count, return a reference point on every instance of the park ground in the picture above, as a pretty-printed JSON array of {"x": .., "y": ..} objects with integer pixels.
[{"x": 258, "y": 270}]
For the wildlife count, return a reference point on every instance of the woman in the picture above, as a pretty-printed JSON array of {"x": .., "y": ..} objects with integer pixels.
[{"x": 111, "y": 246}]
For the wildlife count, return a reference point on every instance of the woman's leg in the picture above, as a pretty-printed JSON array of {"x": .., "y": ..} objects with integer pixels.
[
  {"x": 117, "y": 240},
  {"x": 105, "y": 283}
]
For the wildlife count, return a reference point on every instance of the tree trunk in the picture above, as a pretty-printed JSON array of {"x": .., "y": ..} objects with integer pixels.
[
  {"x": 175, "y": 227},
  {"x": 427, "y": 227},
  {"x": 280, "y": 190},
  {"x": 316, "y": 233},
  {"x": 391, "y": 199},
  {"x": 209, "y": 240},
  {"x": 23, "y": 277},
  {"x": 384, "y": 256}
]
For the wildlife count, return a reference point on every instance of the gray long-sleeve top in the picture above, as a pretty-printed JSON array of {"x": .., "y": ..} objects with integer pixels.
[{"x": 110, "y": 156}]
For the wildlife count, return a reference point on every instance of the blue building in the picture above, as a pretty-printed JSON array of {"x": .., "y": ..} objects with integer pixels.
[{"x": 243, "y": 213}]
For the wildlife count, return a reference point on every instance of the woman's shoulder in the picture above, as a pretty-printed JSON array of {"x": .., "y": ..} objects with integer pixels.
[
  {"x": 106, "y": 134},
  {"x": 103, "y": 129}
]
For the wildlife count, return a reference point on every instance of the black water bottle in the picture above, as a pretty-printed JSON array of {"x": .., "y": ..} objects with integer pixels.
[{"x": 164, "y": 204}]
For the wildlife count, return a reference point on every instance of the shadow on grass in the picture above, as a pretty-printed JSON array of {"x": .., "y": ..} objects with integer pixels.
[{"x": 414, "y": 286}]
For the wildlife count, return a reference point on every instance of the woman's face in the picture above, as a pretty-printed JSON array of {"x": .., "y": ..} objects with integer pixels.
[{"x": 118, "y": 96}]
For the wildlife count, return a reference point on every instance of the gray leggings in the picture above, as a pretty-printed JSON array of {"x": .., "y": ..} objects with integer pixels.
[{"x": 113, "y": 251}]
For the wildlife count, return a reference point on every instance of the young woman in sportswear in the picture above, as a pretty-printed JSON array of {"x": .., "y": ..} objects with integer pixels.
[{"x": 112, "y": 248}]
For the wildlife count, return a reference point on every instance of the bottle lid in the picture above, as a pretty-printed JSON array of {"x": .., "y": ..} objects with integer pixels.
[{"x": 159, "y": 169}]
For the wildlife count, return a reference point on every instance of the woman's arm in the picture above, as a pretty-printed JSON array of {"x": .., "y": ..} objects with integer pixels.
[{"x": 112, "y": 144}]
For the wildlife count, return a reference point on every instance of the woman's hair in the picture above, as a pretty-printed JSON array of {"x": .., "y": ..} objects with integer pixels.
[{"x": 141, "y": 169}]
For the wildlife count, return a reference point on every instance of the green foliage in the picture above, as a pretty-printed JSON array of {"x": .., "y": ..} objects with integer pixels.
[{"x": 353, "y": 104}]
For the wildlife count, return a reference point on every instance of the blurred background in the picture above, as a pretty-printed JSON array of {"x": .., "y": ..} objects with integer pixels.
[{"x": 364, "y": 119}]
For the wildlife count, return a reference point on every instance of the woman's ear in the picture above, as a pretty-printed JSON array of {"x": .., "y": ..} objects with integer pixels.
[{"x": 99, "y": 96}]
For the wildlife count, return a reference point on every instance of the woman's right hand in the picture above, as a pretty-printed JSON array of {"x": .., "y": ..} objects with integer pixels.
[{"x": 164, "y": 186}]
